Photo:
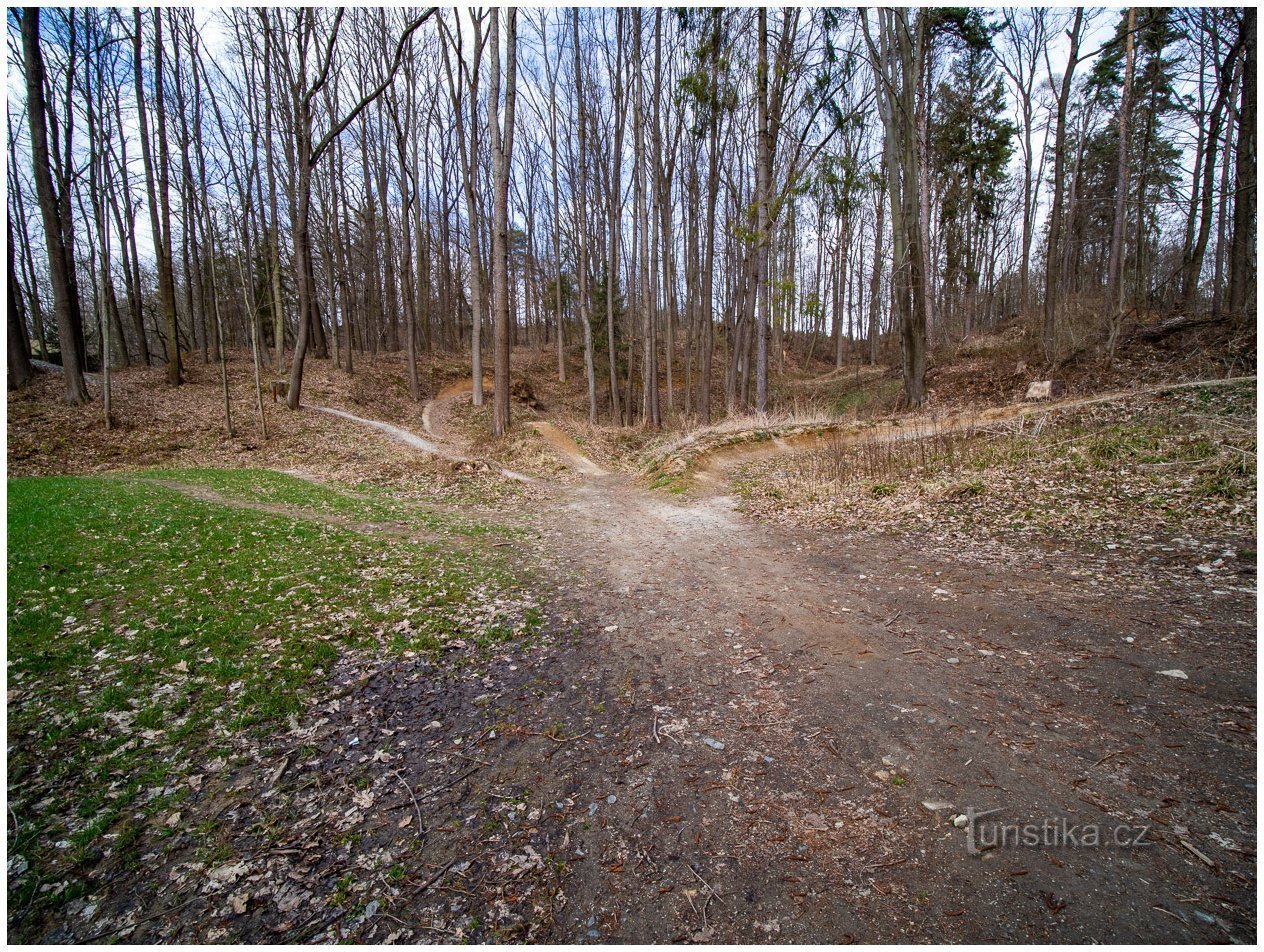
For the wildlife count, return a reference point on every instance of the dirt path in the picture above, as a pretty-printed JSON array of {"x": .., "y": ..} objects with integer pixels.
[
  {"x": 713, "y": 464},
  {"x": 773, "y": 731},
  {"x": 436, "y": 410},
  {"x": 748, "y": 734},
  {"x": 566, "y": 448},
  {"x": 400, "y": 435},
  {"x": 396, "y": 433},
  {"x": 206, "y": 494},
  {"x": 862, "y": 696}
]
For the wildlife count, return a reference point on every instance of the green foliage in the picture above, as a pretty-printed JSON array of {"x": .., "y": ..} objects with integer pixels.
[
  {"x": 971, "y": 145},
  {"x": 1154, "y": 155}
]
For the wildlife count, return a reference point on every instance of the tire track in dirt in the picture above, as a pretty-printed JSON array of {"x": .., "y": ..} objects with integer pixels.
[{"x": 206, "y": 494}]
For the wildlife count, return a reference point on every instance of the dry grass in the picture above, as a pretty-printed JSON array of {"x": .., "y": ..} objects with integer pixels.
[
  {"x": 1182, "y": 461},
  {"x": 160, "y": 426}
]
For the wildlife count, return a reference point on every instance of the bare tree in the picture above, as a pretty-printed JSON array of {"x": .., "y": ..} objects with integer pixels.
[
  {"x": 60, "y": 252},
  {"x": 502, "y": 157}
]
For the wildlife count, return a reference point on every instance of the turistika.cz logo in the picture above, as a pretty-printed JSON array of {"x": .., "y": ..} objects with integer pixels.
[{"x": 983, "y": 835}]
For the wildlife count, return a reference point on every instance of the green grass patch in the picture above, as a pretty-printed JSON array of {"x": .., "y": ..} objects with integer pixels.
[
  {"x": 365, "y": 502},
  {"x": 148, "y": 629}
]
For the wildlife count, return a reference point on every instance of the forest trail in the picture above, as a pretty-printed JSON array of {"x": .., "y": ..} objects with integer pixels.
[
  {"x": 794, "y": 720},
  {"x": 433, "y": 412},
  {"x": 567, "y": 448},
  {"x": 408, "y": 438},
  {"x": 832, "y": 707},
  {"x": 399, "y": 434},
  {"x": 207, "y": 494},
  {"x": 713, "y": 465},
  {"x": 561, "y": 442}
]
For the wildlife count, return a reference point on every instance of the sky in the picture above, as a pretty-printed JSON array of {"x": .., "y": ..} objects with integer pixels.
[{"x": 216, "y": 38}]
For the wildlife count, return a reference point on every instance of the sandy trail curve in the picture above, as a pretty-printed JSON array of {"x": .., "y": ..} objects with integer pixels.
[
  {"x": 432, "y": 412},
  {"x": 567, "y": 448},
  {"x": 561, "y": 442},
  {"x": 394, "y": 432}
]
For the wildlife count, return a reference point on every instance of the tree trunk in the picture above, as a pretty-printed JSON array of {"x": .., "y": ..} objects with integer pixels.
[
  {"x": 1193, "y": 263},
  {"x": 59, "y": 256},
  {"x": 1054, "y": 250},
  {"x": 1242, "y": 244},
  {"x": 1114, "y": 274},
  {"x": 875, "y": 280},
  {"x": 20, "y": 370},
  {"x": 581, "y": 225},
  {"x": 762, "y": 186},
  {"x": 502, "y": 157},
  {"x": 157, "y": 192}
]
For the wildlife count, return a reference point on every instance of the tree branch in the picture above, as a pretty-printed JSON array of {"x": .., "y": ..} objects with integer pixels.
[{"x": 350, "y": 117}]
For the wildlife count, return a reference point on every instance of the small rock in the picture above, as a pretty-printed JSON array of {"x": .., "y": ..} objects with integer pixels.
[
  {"x": 611, "y": 799},
  {"x": 934, "y": 806},
  {"x": 1045, "y": 389},
  {"x": 1176, "y": 673},
  {"x": 713, "y": 743},
  {"x": 18, "y": 865},
  {"x": 961, "y": 821},
  {"x": 954, "y": 661},
  {"x": 612, "y": 628}
]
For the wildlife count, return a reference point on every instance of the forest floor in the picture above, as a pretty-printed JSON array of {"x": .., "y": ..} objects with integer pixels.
[{"x": 743, "y": 709}]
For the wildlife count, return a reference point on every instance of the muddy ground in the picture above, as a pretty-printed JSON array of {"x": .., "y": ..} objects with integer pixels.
[{"x": 735, "y": 732}]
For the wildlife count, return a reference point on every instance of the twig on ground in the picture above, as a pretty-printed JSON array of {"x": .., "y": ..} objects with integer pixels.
[
  {"x": 421, "y": 824},
  {"x": 1123, "y": 750},
  {"x": 436, "y": 877}
]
